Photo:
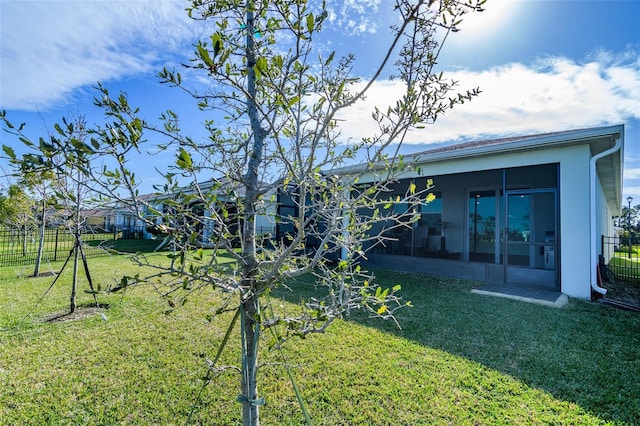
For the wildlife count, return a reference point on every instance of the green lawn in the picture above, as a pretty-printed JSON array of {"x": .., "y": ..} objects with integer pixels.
[
  {"x": 623, "y": 265},
  {"x": 460, "y": 358}
]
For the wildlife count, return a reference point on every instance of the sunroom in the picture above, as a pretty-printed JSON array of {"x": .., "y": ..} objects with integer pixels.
[
  {"x": 520, "y": 212},
  {"x": 502, "y": 223}
]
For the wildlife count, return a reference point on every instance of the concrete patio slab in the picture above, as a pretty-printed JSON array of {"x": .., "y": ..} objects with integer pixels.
[{"x": 538, "y": 295}]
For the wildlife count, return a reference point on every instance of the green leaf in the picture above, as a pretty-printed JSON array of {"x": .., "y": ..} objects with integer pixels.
[
  {"x": 330, "y": 58},
  {"x": 9, "y": 151},
  {"x": 184, "y": 159},
  {"x": 278, "y": 61},
  {"x": 293, "y": 101},
  {"x": 198, "y": 254},
  {"x": 261, "y": 66},
  {"x": 59, "y": 129},
  {"x": 204, "y": 55},
  {"x": 310, "y": 22},
  {"x": 382, "y": 309},
  {"x": 342, "y": 265},
  {"x": 216, "y": 41}
]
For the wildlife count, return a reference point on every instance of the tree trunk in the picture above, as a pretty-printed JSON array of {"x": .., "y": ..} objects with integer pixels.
[
  {"x": 250, "y": 337},
  {"x": 36, "y": 269},
  {"x": 74, "y": 279},
  {"x": 78, "y": 240},
  {"x": 250, "y": 287},
  {"x": 24, "y": 240}
]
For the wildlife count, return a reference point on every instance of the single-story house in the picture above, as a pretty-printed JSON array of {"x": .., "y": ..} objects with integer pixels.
[
  {"x": 126, "y": 222},
  {"x": 525, "y": 211},
  {"x": 97, "y": 219}
]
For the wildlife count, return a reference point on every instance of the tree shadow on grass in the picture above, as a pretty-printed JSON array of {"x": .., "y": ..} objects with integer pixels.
[
  {"x": 585, "y": 353},
  {"x": 126, "y": 245}
]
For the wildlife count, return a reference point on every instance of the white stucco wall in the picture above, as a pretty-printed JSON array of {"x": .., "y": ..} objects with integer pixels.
[{"x": 575, "y": 272}]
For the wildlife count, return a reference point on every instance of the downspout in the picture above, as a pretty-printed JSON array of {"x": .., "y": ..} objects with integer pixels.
[{"x": 592, "y": 210}]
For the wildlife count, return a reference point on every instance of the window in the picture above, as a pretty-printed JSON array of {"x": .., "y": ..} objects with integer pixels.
[{"x": 431, "y": 215}]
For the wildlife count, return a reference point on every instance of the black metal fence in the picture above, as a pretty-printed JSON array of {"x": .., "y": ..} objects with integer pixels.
[
  {"x": 19, "y": 246},
  {"x": 623, "y": 258},
  {"x": 620, "y": 270}
]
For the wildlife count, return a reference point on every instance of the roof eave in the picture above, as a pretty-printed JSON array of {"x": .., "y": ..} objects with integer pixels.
[{"x": 529, "y": 143}]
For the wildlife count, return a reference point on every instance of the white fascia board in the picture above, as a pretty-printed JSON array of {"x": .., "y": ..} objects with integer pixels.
[{"x": 534, "y": 144}]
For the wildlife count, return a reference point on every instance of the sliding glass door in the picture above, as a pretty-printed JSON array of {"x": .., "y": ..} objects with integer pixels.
[
  {"x": 513, "y": 226},
  {"x": 531, "y": 229},
  {"x": 484, "y": 226}
]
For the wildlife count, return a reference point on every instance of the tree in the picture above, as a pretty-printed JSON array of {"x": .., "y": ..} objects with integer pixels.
[
  {"x": 71, "y": 191},
  {"x": 628, "y": 221},
  {"x": 16, "y": 213},
  {"x": 62, "y": 159},
  {"x": 42, "y": 185},
  {"x": 281, "y": 98},
  {"x": 622, "y": 221}
]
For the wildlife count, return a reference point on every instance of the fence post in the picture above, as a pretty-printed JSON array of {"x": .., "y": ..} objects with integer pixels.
[
  {"x": 55, "y": 247},
  {"x": 24, "y": 240}
]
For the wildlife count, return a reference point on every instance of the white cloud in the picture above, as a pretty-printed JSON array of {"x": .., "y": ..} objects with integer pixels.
[
  {"x": 355, "y": 16},
  {"x": 50, "y": 48},
  {"x": 632, "y": 173},
  {"x": 548, "y": 95}
]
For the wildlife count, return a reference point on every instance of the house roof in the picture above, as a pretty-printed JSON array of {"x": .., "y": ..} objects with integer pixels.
[
  {"x": 598, "y": 138},
  {"x": 485, "y": 143}
]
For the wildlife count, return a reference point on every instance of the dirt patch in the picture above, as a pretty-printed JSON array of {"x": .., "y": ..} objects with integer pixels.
[
  {"x": 81, "y": 312},
  {"x": 625, "y": 292},
  {"x": 45, "y": 274}
]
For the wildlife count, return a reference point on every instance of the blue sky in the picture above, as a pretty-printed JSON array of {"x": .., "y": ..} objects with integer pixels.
[{"x": 543, "y": 65}]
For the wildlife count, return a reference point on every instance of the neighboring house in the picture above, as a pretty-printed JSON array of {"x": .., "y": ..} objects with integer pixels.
[
  {"x": 125, "y": 221},
  {"x": 266, "y": 210},
  {"x": 523, "y": 211},
  {"x": 96, "y": 219}
]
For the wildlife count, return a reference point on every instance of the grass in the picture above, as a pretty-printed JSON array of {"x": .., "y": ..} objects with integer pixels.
[
  {"x": 621, "y": 264},
  {"x": 460, "y": 358}
]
